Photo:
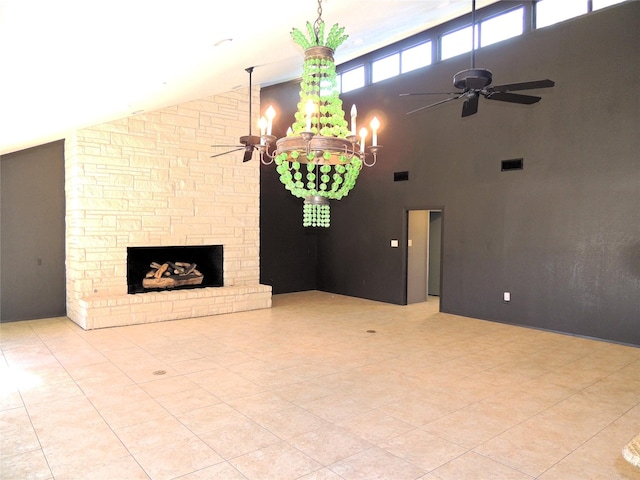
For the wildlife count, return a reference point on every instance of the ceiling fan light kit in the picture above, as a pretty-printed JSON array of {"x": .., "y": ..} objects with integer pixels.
[{"x": 321, "y": 155}]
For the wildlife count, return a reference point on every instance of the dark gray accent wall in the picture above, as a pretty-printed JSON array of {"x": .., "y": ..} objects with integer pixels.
[
  {"x": 288, "y": 251},
  {"x": 32, "y": 278},
  {"x": 562, "y": 235}
]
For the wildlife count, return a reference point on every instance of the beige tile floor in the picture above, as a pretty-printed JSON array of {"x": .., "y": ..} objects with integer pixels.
[{"x": 304, "y": 391}]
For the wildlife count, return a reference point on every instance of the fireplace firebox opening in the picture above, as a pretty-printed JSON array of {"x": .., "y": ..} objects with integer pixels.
[{"x": 153, "y": 269}]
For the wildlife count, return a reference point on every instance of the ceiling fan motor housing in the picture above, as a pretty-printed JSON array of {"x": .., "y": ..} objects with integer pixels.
[
  {"x": 472, "y": 79},
  {"x": 250, "y": 140}
]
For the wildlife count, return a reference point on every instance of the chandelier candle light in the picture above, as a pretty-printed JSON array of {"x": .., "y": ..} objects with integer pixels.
[{"x": 320, "y": 137}]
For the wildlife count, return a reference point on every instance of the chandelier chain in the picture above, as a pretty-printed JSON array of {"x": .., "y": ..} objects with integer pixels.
[{"x": 316, "y": 24}]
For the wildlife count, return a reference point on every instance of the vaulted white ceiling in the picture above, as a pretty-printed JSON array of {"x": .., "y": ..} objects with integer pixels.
[{"x": 66, "y": 64}]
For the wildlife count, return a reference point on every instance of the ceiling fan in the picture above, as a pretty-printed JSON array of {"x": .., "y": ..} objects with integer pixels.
[
  {"x": 250, "y": 142},
  {"x": 475, "y": 82}
]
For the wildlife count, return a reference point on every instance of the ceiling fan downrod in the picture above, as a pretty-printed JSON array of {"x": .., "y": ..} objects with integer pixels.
[{"x": 473, "y": 34}]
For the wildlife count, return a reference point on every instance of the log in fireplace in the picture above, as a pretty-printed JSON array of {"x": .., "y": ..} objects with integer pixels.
[{"x": 152, "y": 269}]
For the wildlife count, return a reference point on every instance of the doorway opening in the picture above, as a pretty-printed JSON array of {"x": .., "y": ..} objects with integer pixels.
[{"x": 424, "y": 254}]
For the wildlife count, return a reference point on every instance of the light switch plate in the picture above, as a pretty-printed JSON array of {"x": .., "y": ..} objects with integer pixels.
[{"x": 394, "y": 243}]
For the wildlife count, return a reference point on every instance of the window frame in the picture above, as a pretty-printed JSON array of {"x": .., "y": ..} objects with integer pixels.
[
  {"x": 428, "y": 43},
  {"x": 509, "y": 11},
  {"x": 536, "y": 26},
  {"x": 380, "y": 60},
  {"x": 474, "y": 31},
  {"x": 356, "y": 67}
]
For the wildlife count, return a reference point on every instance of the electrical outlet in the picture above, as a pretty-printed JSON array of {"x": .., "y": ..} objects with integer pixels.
[
  {"x": 506, "y": 297},
  {"x": 394, "y": 243}
]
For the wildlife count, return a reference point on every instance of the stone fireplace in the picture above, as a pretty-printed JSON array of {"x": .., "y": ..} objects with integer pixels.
[{"x": 148, "y": 181}]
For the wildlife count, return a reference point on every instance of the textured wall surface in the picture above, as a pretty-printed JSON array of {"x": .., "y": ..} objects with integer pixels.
[{"x": 32, "y": 233}]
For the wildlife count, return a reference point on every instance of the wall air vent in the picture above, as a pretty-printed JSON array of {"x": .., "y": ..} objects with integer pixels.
[
  {"x": 514, "y": 164},
  {"x": 400, "y": 176}
]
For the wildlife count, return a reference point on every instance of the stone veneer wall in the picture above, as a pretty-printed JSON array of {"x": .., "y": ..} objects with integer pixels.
[{"x": 148, "y": 180}]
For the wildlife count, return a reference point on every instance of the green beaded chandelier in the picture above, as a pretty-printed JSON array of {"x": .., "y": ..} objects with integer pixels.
[{"x": 320, "y": 158}]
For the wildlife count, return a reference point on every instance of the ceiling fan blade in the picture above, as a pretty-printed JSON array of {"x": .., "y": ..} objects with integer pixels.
[
  {"x": 427, "y": 93},
  {"x": 248, "y": 154},
  {"x": 513, "y": 98},
  {"x": 224, "y": 153},
  {"x": 434, "y": 104},
  {"x": 228, "y": 146},
  {"x": 512, "y": 87},
  {"x": 470, "y": 105}
]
